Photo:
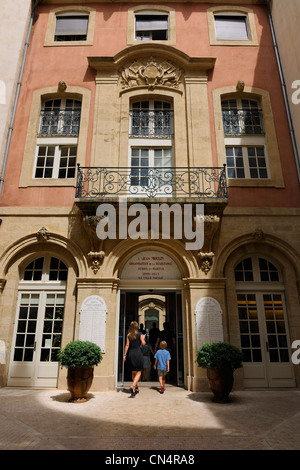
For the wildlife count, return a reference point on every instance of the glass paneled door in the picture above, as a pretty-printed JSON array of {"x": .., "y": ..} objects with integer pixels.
[
  {"x": 151, "y": 171},
  {"x": 151, "y": 148},
  {"x": 38, "y": 331},
  {"x": 263, "y": 325},
  {"x": 38, "y": 324}
]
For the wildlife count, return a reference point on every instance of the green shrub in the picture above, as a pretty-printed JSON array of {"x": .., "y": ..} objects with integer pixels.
[
  {"x": 80, "y": 354},
  {"x": 217, "y": 355}
]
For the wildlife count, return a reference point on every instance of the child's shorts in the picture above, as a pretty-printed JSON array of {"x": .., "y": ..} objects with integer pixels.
[
  {"x": 161, "y": 372},
  {"x": 145, "y": 362}
]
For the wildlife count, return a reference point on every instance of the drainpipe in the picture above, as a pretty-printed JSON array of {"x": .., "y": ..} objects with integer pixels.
[
  {"x": 285, "y": 95},
  {"x": 17, "y": 96}
]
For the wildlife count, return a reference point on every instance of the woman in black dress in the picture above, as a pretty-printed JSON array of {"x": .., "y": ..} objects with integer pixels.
[{"x": 133, "y": 354}]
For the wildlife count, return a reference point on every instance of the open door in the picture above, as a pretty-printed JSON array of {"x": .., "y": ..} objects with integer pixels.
[{"x": 131, "y": 310}]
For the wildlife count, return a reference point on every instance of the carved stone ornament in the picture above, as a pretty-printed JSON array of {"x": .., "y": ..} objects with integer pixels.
[
  {"x": 151, "y": 72},
  {"x": 240, "y": 85},
  {"x": 206, "y": 261},
  {"x": 96, "y": 259},
  {"x": 62, "y": 86},
  {"x": 43, "y": 235},
  {"x": 258, "y": 234}
]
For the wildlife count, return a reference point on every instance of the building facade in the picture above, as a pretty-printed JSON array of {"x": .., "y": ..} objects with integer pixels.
[{"x": 150, "y": 177}]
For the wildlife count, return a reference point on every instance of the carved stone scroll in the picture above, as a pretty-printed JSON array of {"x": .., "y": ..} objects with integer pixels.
[{"x": 151, "y": 73}]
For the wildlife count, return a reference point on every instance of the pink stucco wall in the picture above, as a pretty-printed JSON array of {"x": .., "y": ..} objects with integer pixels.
[{"x": 45, "y": 66}]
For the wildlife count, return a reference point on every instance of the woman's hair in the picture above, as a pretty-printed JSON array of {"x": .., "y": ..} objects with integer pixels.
[{"x": 133, "y": 330}]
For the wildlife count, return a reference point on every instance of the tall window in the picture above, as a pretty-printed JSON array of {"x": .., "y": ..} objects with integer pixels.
[
  {"x": 150, "y": 25},
  {"x": 57, "y": 140},
  {"x": 151, "y": 145},
  {"x": 244, "y": 138},
  {"x": 261, "y": 311}
]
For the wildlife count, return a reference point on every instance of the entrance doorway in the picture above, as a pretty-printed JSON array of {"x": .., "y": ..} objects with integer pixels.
[
  {"x": 38, "y": 324},
  {"x": 148, "y": 307},
  {"x": 263, "y": 324}
]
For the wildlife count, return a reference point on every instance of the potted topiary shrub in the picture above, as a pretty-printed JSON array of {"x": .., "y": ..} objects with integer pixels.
[
  {"x": 80, "y": 357},
  {"x": 220, "y": 360}
]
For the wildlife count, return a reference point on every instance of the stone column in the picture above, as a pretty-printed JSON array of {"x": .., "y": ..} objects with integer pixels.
[
  {"x": 198, "y": 127},
  {"x": 106, "y": 122}
]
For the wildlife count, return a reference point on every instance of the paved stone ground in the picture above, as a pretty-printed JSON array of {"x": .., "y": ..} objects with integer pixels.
[{"x": 176, "y": 420}]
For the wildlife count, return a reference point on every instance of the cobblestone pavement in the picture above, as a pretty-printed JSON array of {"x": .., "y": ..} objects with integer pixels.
[{"x": 177, "y": 420}]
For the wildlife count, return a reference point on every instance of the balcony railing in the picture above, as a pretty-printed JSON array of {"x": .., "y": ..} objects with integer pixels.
[
  {"x": 154, "y": 124},
  {"x": 59, "y": 122},
  {"x": 201, "y": 183},
  {"x": 243, "y": 121}
]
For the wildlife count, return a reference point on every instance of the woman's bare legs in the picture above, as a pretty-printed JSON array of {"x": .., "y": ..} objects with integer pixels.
[{"x": 136, "y": 375}]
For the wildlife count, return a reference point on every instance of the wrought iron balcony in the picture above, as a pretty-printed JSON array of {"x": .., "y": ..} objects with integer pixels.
[
  {"x": 147, "y": 182},
  {"x": 58, "y": 122},
  {"x": 242, "y": 121},
  {"x": 153, "y": 124}
]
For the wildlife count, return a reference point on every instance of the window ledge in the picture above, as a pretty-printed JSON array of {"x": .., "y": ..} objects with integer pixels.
[
  {"x": 48, "y": 182},
  {"x": 258, "y": 183}
]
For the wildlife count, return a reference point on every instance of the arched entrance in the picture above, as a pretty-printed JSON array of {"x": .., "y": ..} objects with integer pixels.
[
  {"x": 151, "y": 293},
  {"x": 263, "y": 324}
]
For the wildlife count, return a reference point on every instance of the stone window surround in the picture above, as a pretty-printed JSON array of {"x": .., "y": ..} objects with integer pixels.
[
  {"x": 27, "y": 171},
  {"x": 155, "y": 8},
  {"x": 253, "y": 40},
  {"x": 270, "y": 139},
  {"x": 49, "y": 38}
]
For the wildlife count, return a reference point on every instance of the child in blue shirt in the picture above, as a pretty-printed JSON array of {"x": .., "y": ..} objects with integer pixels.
[{"x": 162, "y": 364}]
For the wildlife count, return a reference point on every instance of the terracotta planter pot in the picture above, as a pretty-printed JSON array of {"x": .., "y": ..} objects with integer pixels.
[
  {"x": 221, "y": 383},
  {"x": 79, "y": 380}
]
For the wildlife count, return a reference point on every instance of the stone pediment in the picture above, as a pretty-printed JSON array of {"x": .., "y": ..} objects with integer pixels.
[{"x": 150, "y": 65}]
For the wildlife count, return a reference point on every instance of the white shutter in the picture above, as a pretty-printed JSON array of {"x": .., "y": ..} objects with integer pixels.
[
  {"x": 151, "y": 23},
  {"x": 71, "y": 25},
  {"x": 232, "y": 28}
]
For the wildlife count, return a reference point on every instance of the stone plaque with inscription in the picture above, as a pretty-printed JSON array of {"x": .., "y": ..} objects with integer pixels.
[
  {"x": 151, "y": 265},
  {"x": 208, "y": 321},
  {"x": 93, "y": 321}
]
